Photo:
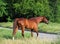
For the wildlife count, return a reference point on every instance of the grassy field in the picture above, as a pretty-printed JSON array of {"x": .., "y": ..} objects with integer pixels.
[
  {"x": 26, "y": 41},
  {"x": 6, "y": 24},
  {"x": 6, "y": 38},
  {"x": 7, "y": 34},
  {"x": 51, "y": 27},
  {"x": 42, "y": 27}
]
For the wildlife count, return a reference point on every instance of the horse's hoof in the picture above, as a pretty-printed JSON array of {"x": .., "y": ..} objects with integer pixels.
[{"x": 13, "y": 38}]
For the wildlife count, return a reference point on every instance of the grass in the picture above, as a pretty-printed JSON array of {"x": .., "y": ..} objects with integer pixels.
[
  {"x": 7, "y": 34},
  {"x": 6, "y": 24},
  {"x": 51, "y": 27},
  {"x": 6, "y": 38},
  {"x": 42, "y": 27},
  {"x": 26, "y": 41}
]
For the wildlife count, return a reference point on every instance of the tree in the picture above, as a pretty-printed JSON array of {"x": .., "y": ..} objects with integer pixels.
[
  {"x": 58, "y": 11},
  {"x": 3, "y": 10}
]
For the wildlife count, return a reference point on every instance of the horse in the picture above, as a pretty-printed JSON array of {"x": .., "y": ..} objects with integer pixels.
[
  {"x": 39, "y": 19},
  {"x": 28, "y": 23},
  {"x": 24, "y": 23}
]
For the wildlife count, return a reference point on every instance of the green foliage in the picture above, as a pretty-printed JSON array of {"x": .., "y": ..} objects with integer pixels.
[
  {"x": 31, "y": 8},
  {"x": 58, "y": 11},
  {"x": 2, "y": 8},
  {"x": 9, "y": 20}
]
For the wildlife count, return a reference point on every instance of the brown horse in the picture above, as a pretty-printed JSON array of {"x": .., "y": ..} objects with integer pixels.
[
  {"x": 24, "y": 23},
  {"x": 27, "y": 23}
]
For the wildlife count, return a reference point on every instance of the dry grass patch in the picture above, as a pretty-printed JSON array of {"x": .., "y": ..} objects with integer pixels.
[{"x": 26, "y": 41}]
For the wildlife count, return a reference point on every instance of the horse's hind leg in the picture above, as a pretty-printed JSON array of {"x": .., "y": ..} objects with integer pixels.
[
  {"x": 14, "y": 31},
  {"x": 32, "y": 32}
]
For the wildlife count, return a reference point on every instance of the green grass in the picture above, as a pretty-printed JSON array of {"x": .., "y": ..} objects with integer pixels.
[
  {"x": 51, "y": 27},
  {"x": 7, "y": 34},
  {"x": 42, "y": 27},
  {"x": 26, "y": 41},
  {"x": 6, "y": 24}
]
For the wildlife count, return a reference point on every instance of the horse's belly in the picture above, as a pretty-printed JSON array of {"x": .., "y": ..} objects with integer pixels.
[{"x": 29, "y": 27}]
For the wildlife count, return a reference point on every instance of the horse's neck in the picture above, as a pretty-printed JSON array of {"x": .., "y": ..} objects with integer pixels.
[{"x": 38, "y": 20}]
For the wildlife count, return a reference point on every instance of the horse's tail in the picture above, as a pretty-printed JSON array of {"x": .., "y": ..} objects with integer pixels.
[
  {"x": 15, "y": 23},
  {"x": 15, "y": 26}
]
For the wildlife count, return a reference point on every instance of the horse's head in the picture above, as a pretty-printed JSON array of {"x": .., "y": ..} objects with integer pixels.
[{"x": 45, "y": 20}]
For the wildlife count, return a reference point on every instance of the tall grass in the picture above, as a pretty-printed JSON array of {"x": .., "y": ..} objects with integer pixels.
[
  {"x": 26, "y": 41},
  {"x": 51, "y": 27},
  {"x": 6, "y": 24}
]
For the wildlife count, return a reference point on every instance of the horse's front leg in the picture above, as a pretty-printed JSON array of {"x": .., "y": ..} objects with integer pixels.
[
  {"x": 36, "y": 30},
  {"x": 37, "y": 33},
  {"x": 22, "y": 27}
]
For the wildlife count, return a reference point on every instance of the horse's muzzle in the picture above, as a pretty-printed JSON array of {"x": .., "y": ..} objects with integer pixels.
[{"x": 47, "y": 22}]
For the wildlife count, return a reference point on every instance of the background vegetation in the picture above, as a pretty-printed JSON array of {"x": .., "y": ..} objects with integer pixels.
[{"x": 10, "y": 9}]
